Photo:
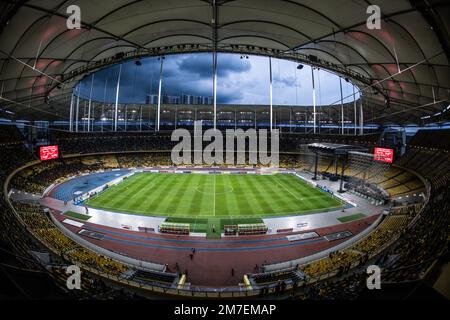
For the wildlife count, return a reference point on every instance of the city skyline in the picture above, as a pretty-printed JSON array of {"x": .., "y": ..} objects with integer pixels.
[{"x": 240, "y": 80}]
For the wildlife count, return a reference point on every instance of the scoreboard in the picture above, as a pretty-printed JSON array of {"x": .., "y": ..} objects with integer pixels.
[
  {"x": 384, "y": 155},
  {"x": 48, "y": 152}
]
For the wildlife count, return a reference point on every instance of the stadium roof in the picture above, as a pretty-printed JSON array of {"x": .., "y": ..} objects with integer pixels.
[
  {"x": 334, "y": 148},
  {"x": 40, "y": 57}
]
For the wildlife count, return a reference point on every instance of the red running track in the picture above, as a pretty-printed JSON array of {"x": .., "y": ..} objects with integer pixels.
[{"x": 213, "y": 260}]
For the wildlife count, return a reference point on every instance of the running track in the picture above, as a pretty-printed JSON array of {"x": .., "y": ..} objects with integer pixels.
[{"x": 214, "y": 259}]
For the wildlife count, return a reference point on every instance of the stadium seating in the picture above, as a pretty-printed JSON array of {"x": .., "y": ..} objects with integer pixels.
[{"x": 413, "y": 234}]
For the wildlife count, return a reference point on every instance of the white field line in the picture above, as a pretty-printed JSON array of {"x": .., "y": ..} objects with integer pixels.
[
  {"x": 299, "y": 199},
  {"x": 214, "y": 199}
]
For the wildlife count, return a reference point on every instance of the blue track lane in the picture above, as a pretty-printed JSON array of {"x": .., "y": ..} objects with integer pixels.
[{"x": 66, "y": 191}]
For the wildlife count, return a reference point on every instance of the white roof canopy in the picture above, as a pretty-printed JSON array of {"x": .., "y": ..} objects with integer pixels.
[{"x": 414, "y": 38}]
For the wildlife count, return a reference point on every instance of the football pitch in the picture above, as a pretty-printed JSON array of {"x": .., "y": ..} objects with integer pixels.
[{"x": 202, "y": 197}]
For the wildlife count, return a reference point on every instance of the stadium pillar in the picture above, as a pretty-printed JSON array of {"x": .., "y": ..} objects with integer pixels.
[
  {"x": 176, "y": 118},
  {"x": 342, "y": 107},
  {"x": 361, "y": 117},
  {"x": 235, "y": 118},
  {"x": 316, "y": 160},
  {"x": 140, "y": 118},
  {"x": 215, "y": 40},
  {"x": 126, "y": 116},
  {"x": 342, "y": 175},
  {"x": 77, "y": 112},
  {"x": 354, "y": 110},
  {"x": 158, "y": 112},
  {"x": 103, "y": 116},
  {"x": 306, "y": 120},
  {"x": 270, "y": 93},
  {"x": 90, "y": 103},
  {"x": 84, "y": 116},
  {"x": 215, "y": 87},
  {"x": 71, "y": 114},
  {"x": 290, "y": 119},
  {"x": 117, "y": 98},
  {"x": 93, "y": 115},
  {"x": 336, "y": 165},
  {"x": 314, "y": 100}
]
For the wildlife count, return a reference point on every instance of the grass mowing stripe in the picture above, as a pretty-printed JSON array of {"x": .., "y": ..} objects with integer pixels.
[
  {"x": 126, "y": 188},
  {"x": 142, "y": 200},
  {"x": 137, "y": 194},
  {"x": 178, "y": 191},
  {"x": 317, "y": 198},
  {"x": 241, "y": 196},
  {"x": 252, "y": 198},
  {"x": 161, "y": 194},
  {"x": 283, "y": 199},
  {"x": 196, "y": 204},
  {"x": 139, "y": 190},
  {"x": 194, "y": 185},
  {"x": 286, "y": 189},
  {"x": 214, "y": 197}
]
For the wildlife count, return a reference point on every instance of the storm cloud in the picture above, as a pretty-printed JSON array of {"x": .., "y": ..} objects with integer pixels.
[{"x": 239, "y": 81}]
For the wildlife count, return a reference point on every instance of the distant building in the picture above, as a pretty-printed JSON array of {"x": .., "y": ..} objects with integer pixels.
[
  {"x": 188, "y": 99},
  {"x": 207, "y": 100},
  {"x": 151, "y": 99},
  {"x": 166, "y": 99},
  {"x": 184, "y": 99}
]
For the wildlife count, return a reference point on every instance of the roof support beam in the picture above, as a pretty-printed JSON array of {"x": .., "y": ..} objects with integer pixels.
[
  {"x": 214, "y": 27},
  {"x": 432, "y": 17}
]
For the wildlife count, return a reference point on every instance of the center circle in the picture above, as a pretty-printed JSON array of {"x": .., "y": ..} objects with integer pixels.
[{"x": 211, "y": 188}]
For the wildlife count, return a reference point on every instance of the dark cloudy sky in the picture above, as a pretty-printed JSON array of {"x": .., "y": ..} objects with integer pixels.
[{"x": 240, "y": 81}]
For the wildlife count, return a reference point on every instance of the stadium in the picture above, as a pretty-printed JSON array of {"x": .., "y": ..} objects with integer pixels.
[{"x": 224, "y": 149}]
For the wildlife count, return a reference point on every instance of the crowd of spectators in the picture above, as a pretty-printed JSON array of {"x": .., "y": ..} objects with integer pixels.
[
  {"x": 39, "y": 224},
  {"x": 92, "y": 142},
  {"x": 422, "y": 232}
]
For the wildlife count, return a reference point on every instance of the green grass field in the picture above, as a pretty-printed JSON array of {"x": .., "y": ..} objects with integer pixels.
[
  {"x": 205, "y": 196},
  {"x": 352, "y": 217},
  {"x": 76, "y": 215}
]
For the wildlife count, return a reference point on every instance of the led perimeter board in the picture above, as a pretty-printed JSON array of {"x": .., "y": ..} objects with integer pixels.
[{"x": 48, "y": 152}]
